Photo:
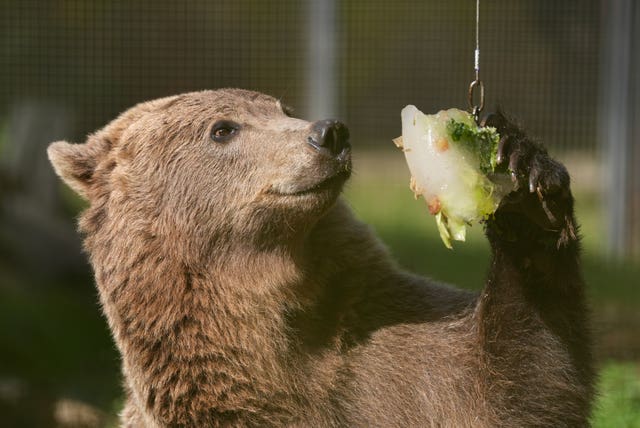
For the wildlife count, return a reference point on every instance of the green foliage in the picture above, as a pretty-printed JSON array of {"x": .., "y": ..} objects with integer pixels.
[
  {"x": 482, "y": 141},
  {"x": 58, "y": 341}
]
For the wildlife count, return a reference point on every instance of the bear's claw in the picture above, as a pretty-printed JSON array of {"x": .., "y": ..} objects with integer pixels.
[{"x": 541, "y": 184}]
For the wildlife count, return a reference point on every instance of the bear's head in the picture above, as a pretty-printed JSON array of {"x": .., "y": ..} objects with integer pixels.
[{"x": 225, "y": 164}]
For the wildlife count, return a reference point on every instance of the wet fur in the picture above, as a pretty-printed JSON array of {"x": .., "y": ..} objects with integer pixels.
[{"x": 232, "y": 307}]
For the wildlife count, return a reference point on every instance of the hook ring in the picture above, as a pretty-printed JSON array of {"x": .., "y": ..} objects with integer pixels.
[{"x": 476, "y": 109}]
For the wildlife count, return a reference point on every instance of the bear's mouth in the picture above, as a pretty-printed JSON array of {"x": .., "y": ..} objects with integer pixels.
[
  {"x": 332, "y": 182},
  {"x": 328, "y": 183}
]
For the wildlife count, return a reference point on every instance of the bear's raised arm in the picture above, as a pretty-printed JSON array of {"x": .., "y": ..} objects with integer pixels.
[{"x": 532, "y": 308}]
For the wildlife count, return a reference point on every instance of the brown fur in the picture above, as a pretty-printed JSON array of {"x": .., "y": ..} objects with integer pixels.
[{"x": 233, "y": 304}]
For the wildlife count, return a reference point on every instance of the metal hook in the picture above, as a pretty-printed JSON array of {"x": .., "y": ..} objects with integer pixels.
[{"x": 476, "y": 109}]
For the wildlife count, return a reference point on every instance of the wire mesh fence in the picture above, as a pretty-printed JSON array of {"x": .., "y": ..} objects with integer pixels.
[{"x": 539, "y": 58}]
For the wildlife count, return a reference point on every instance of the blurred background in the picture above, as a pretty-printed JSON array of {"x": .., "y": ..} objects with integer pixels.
[{"x": 567, "y": 70}]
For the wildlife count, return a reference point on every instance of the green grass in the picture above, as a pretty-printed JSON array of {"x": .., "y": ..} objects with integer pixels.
[{"x": 618, "y": 405}]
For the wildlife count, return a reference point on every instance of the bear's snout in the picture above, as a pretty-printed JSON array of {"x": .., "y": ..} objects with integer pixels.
[
  {"x": 331, "y": 137},
  {"x": 320, "y": 169}
]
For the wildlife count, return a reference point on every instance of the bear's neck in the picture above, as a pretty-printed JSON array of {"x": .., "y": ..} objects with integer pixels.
[{"x": 215, "y": 331}]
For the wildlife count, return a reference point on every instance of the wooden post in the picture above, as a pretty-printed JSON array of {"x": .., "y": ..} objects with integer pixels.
[
  {"x": 321, "y": 61},
  {"x": 620, "y": 125}
]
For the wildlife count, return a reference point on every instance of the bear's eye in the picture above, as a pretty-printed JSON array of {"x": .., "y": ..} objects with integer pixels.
[{"x": 223, "y": 131}]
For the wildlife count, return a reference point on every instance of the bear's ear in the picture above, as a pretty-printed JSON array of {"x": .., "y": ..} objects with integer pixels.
[{"x": 76, "y": 163}]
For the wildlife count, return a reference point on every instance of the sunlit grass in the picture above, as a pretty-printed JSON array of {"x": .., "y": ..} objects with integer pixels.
[{"x": 618, "y": 405}]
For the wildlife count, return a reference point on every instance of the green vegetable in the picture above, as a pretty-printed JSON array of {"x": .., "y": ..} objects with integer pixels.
[{"x": 482, "y": 141}]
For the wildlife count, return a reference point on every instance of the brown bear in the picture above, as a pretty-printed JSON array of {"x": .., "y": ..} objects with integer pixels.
[{"x": 241, "y": 291}]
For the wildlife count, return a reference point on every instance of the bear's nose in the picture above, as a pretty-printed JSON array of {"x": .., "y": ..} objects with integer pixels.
[{"x": 329, "y": 135}]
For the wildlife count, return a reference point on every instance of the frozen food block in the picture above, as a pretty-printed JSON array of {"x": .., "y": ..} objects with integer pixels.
[{"x": 451, "y": 161}]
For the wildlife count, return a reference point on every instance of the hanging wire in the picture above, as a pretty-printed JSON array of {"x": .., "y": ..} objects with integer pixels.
[{"x": 477, "y": 83}]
